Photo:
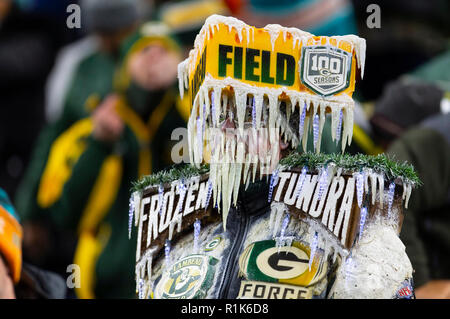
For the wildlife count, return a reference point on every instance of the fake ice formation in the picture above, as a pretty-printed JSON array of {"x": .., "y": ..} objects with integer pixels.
[
  {"x": 379, "y": 252},
  {"x": 273, "y": 104}
]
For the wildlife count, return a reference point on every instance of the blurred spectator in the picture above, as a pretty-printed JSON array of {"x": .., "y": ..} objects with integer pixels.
[
  {"x": 402, "y": 106},
  {"x": 19, "y": 280},
  {"x": 131, "y": 133},
  {"x": 108, "y": 23},
  {"x": 415, "y": 96},
  {"x": 26, "y": 55},
  {"x": 82, "y": 77},
  {"x": 426, "y": 227},
  {"x": 84, "y": 186},
  {"x": 412, "y": 121}
]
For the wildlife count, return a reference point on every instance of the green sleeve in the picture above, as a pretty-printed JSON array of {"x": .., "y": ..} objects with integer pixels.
[
  {"x": 66, "y": 212},
  {"x": 26, "y": 197},
  {"x": 429, "y": 153}
]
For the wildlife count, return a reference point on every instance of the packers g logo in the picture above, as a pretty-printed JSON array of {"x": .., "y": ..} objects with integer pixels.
[
  {"x": 325, "y": 69},
  {"x": 282, "y": 263},
  {"x": 213, "y": 243},
  {"x": 263, "y": 261},
  {"x": 190, "y": 277}
]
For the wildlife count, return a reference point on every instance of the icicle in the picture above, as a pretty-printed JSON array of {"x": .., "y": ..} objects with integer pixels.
[
  {"x": 288, "y": 241},
  {"x": 182, "y": 190},
  {"x": 408, "y": 194},
  {"x": 190, "y": 137},
  {"x": 136, "y": 202},
  {"x": 172, "y": 224},
  {"x": 167, "y": 248},
  {"x": 161, "y": 198},
  {"x": 141, "y": 288},
  {"x": 339, "y": 127},
  {"x": 366, "y": 173},
  {"x": 373, "y": 186},
  {"x": 284, "y": 225},
  {"x": 359, "y": 187},
  {"x": 253, "y": 113},
  {"x": 321, "y": 124},
  {"x": 326, "y": 248},
  {"x": 339, "y": 172},
  {"x": 301, "y": 122},
  {"x": 255, "y": 166},
  {"x": 404, "y": 190},
  {"x": 277, "y": 221},
  {"x": 349, "y": 268},
  {"x": 259, "y": 100},
  {"x": 213, "y": 109},
  {"x": 224, "y": 103},
  {"x": 240, "y": 160},
  {"x": 349, "y": 123},
  {"x": 247, "y": 168},
  {"x": 280, "y": 240},
  {"x": 316, "y": 130},
  {"x": 149, "y": 268},
  {"x": 314, "y": 243},
  {"x": 183, "y": 77},
  {"x": 197, "y": 227},
  {"x": 199, "y": 139},
  {"x": 323, "y": 181},
  {"x": 345, "y": 129},
  {"x": 130, "y": 215},
  {"x": 288, "y": 110},
  {"x": 241, "y": 107},
  {"x": 225, "y": 184},
  {"x": 362, "y": 220},
  {"x": 179, "y": 223},
  {"x": 208, "y": 195},
  {"x": 335, "y": 254},
  {"x": 305, "y": 130},
  {"x": 273, "y": 183},
  {"x": 381, "y": 186},
  {"x": 391, "y": 197},
  {"x": 301, "y": 181},
  {"x": 277, "y": 211}
]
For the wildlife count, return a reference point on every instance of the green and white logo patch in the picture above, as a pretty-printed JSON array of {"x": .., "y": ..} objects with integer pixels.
[
  {"x": 264, "y": 261},
  {"x": 189, "y": 278},
  {"x": 214, "y": 243}
]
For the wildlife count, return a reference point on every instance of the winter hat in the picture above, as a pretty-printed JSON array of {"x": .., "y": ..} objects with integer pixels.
[
  {"x": 148, "y": 33},
  {"x": 10, "y": 236},
  {"x": 108, "y": 16}
]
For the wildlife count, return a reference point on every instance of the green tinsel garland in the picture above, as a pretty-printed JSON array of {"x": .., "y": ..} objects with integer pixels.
[
  {"x": 379, "y": 163},
  {"x": 171, "y": 174}
]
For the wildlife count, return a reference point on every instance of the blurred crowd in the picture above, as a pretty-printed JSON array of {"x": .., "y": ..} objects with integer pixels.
[{"x": 86, "y": 111}]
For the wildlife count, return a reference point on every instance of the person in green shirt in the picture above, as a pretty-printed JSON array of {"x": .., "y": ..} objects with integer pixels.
[
  {"x": 73, "y": 91},
  {"x": 84, "y": 186}
]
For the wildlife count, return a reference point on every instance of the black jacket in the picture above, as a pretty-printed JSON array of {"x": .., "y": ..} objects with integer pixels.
[{"x": 242, "y": 261}]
